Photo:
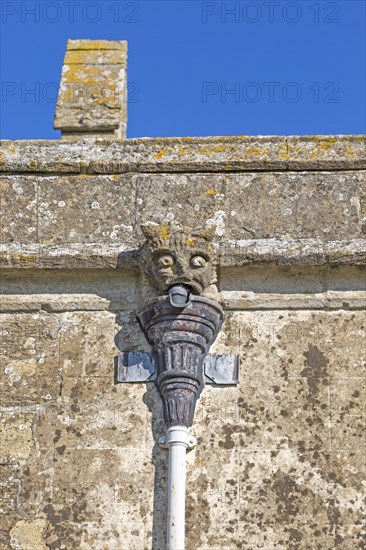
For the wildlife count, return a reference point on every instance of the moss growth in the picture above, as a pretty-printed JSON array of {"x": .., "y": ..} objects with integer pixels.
[{"x": 34, "y": 165}]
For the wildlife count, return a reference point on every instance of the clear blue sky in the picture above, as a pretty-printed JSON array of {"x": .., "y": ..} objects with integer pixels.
[{"x": 293, "y": 67}]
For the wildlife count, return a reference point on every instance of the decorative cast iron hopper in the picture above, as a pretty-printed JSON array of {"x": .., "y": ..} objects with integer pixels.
[{"x": 180, "y": 339}]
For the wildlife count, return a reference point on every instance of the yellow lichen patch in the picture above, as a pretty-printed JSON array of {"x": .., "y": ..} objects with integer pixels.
[
  {"x": 211, "y": 150},
  {"x": 262, "y": 180},
  {"x": 349, "y": 150},
  {"x": 89, "y": 75},
  {"x": 108, "y": 102},
  {"x": 164, "y": 233},
  {"x": 326, "y": 143},
  {"x": 24, "y": 257},
  {"x": 191, "y": 242},
  {"x": 283, "y": 152},
  {"x": 95, "y": 57},
  {"x": 256, "y": 151},
  {"x": 321, "y": 144},
  {"x": 161, "y": 153},
  {"x": 11, "y": 148},
  {"x": 211, "y": 192}
]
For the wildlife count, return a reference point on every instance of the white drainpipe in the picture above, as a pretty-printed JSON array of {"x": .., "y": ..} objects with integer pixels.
[{"x": 177, "y": 440}]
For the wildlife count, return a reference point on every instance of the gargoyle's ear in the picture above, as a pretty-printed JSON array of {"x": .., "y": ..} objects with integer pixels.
[
  {"x": 150, "y": 230},
  {"x": 207, "y": 233}
]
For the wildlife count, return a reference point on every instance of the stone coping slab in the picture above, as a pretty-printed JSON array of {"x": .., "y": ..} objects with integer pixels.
[{"x": 211, "y": 154}]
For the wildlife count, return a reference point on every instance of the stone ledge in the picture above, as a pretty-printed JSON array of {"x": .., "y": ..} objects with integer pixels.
[
  {"x": 212, "y": 154},
  {"x": 58, "y": 303},
  {"x": 330, "y": 300},
  {"x": 231, "y": 254},
  {"x": 233, "y": 301},
  {"x": 292, "y": 252}
]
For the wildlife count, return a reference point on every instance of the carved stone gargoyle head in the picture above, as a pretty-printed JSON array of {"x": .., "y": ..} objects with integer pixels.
[
  {"x": 181, "y": 262},
  {"x": 174, "y": 255}
]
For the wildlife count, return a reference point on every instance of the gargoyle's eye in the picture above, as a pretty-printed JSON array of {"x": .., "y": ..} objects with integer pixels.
[
  {"x": 198, "y": 261},
  {"x": 166, "y": 261}
]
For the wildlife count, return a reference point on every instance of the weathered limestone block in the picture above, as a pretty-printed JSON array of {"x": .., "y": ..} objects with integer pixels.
[
  {"x": 87, "y": 344},
  {"x": 29, "y": 359},
  {"x": 258, "y": 206},
  {"x": 93, "y": 91},
  {"x": 116, "y": 419},
  {"x": 8, "y": 491},
  {"x": 16, "y": 436},
  {"x": 18, "y": 209},
  {"x": 102, "y": 209},
  {"x": 96, "y": 499},
  {"x": 28, "y": 535},
  {"x": 86, "y": 209}
]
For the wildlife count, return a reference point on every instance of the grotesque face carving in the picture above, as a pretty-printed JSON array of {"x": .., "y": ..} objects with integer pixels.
[{"x": 172, "y": 255}]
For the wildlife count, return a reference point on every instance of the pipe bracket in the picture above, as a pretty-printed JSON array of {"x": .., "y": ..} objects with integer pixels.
[
  {"x": 164, "y": 444},
  {"x": 137, "y": 367}
]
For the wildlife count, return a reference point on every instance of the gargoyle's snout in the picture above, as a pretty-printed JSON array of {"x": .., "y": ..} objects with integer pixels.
[{"x": 179, "y": 296}]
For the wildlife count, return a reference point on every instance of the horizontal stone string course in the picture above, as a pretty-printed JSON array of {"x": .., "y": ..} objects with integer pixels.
[
  {"x": 241, "y": 301},
  {"x": 219, "y": 154},
  {"x": 231, "y": 253}
]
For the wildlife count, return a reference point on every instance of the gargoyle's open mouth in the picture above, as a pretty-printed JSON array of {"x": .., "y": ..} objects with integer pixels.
[
  {"x": 193, "y": 286},
  {"x": 179, "y": 295}
]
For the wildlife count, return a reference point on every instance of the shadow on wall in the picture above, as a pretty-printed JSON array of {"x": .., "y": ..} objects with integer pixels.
[
  {"x": 159, "y": 459},
  {"x": 130, "y": 337}
]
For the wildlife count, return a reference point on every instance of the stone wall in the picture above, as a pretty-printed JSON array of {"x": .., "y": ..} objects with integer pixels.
[{"x": 280, "y": 460}]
